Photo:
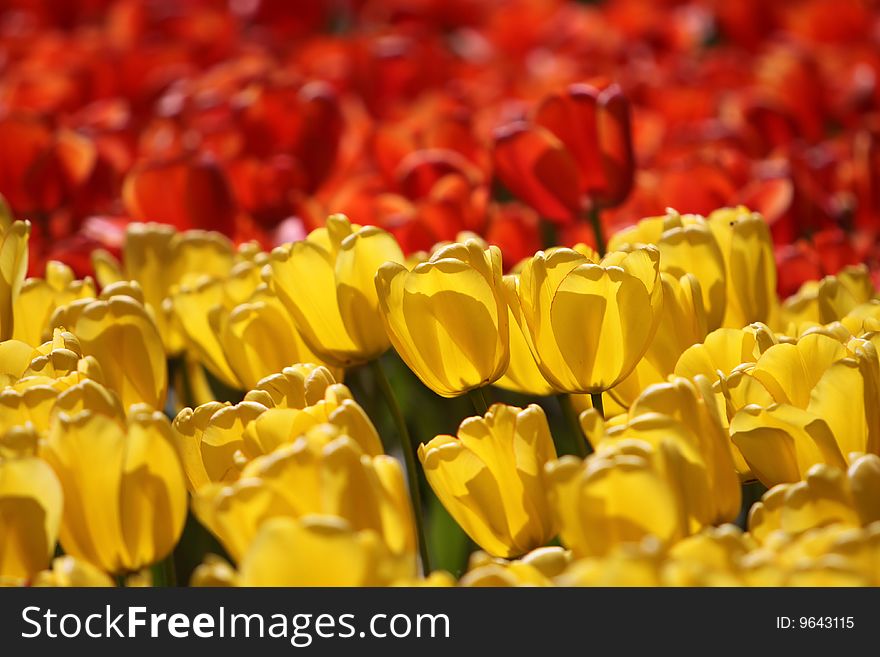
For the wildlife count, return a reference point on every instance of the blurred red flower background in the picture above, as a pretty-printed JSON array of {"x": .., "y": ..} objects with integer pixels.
[{"x": 514, "y": 119}]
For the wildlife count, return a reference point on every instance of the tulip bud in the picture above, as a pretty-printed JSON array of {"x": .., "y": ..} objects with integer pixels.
[
  {"x": 590, "y": 323},
  {"x": 123, "y": 338},
  {"x": 30, "y": 514},
  {"x": 447, "y": 318},
  {"x": 13, "y": 266},
  {"x": 490, "y": 478},
  {"x": 129, "y": 512},
  {"x": 750, "y": 266},
  {"x": 326, "y": 284}
]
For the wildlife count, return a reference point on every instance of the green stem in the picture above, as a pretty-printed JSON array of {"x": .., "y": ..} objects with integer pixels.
[
  {"x": 120, "y": 581},
  {"x": 578, "y": 439},
  {"x": 596, "y": 398},
  {"x": 412, "y": 474},
  {"x": 596, "y": 223},
  {"x": 164, "y": 572},
  {"x": 478, "y": 399}
]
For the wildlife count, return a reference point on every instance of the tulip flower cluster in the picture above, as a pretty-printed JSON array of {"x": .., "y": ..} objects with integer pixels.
[{"x": 505, "y": 293}]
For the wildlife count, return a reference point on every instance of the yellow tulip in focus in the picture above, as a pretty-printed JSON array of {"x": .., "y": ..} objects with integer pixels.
[
  {"x": 490, "y": 478},
  {"x": 619, "y": 494},
  {"x": 750, "y": 266},
  {"x": 129, "y": 512},
  {"x": 589, "y": 324},
  {"x": 30, "y": 515},
  {"x": 326, "y": 284},
  {"x": 329, "y": 552},
  {"x": 522, "y": 373},
  {"x": 13, "y": 266},
  {"x": 123, "y": 338},
  {"x": 782, "y": 442},
  {"x": 448, "y": 318}
]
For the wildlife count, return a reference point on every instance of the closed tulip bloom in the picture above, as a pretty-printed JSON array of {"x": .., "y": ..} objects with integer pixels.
[
  {"x": 687, "y": 246},
  {"x": 747, "y": 249},
  {"x": 322, "y": 471},
  {"x": 620, "y": 494},
  {"x": 123, "y": 338},
  {"x": 590, "y": 323},
  {"x": 259, "y": 338},
  {"x": 723, "y": 350},
  {"x": 522, "y": 373},
  {"x": 448, "y": 318},
  {"x": 490, "y": 478},
  {"x": 30, "y": 515},
  {"x": 13, "y": 266},
  {"x": 329, "y": 553},
  {"x": 39, "y": 297},
  {"x": 326, "y": 284},
  {"x": 129, "y": 512},
  {"x": 782, "y": 442}
]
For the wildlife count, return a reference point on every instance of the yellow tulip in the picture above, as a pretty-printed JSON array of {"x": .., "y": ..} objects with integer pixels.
[
  {"x": 30, "y": 515},
  {"x": 781, "y": 443},
  {"x": 278, "y": 426},
  {"x": 15, "y": 357},
  {"x": 695, "y": 418},
  {"x": 490, "y": 478},
  {"x": 826, "y": 496},
  {"x": 329, "y": 552},
  {"x": 297, "y": 386},
  {"x": 39, "y": 297},
  {"x": 682, "y": 324},
  {"x": 750, "y": 266},
  {"x": 209, "y": 440},
  {"x": 723, "y": 350},
  {"x": 214, "y": 571},
  {"x": 128, "y": 512},
  {"x": 537, "y": 568},
  {"x": 13, "y": 266},
  {"x": 590, "y": 324},
  {"x": 687, "y": 246},
  {"x": 322, "y": 472},
  {"x": 620, "y": 494},
  {"x": 830, "y": 299},
  {"x": 159, "y": 258},
  {"x": 326, "y": 284},
  {"x": 522, "y": 373},
  {"x": 447, "y": 318},
  {"x": 259, "y": 338},
  {"x": 123, "y": 338},
  {"x": 68, "y": 571}
]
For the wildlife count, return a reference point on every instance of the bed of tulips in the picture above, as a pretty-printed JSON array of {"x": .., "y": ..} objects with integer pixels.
[{"x": 416, "y": 293}]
